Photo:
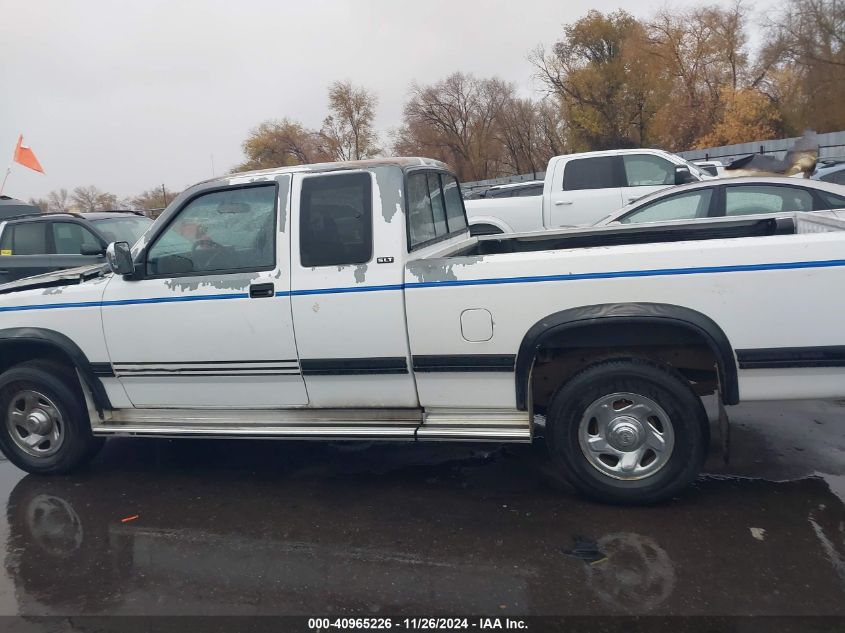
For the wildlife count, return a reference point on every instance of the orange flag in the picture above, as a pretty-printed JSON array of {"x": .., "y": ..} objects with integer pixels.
[{"x": 26, "y": 157}]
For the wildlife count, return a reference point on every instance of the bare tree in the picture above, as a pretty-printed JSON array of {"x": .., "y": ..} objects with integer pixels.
[
  {"x": 347, "y": 132},
  {"x": 58, "y": 201},
  {"x": 805, "y": 49},
  {"x": 454, "y": 120},
  {"x": 153, "y": 200},
  {"x": 596, "y": 71},
  {"x": 41, "y": 203},
  {"x": 280, "y": 143},
  {"x": 92, "y": 199}
]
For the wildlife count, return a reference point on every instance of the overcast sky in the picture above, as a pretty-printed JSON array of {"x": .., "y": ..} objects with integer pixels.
[{"x": 129, "y": 95}]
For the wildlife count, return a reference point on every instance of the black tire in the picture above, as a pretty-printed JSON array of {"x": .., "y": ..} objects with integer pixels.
[
  {"x": 660, "y": 384},
  {"x": 60, "y": 385}
]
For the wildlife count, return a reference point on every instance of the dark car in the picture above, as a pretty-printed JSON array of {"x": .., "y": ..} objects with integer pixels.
[
  {"x": 43, "y": 242},
  {"x": 10, "y": 208}
]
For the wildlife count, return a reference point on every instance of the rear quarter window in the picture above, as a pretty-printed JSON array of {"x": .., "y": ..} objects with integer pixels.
[{"x": 435, "y": 208}]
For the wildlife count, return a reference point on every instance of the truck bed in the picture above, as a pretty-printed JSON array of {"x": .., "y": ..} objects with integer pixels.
[{"x": 699, "y": 230}]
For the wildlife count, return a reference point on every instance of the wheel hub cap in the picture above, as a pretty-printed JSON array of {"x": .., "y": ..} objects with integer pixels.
[
  {"x": 39, "y": 422},
  {"x": 625, "y": 433},
  {"x": 626, "y": 436},
  {"x": 35, "y": 423}
]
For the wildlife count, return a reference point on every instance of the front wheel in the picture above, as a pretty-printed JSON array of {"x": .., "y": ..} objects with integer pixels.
[
  {"x": 45, "y": 428},
  {"x": 628, "y": 431}
]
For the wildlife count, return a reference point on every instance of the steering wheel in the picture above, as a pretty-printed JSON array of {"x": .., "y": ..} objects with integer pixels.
[{"x": 210, "y": 250}]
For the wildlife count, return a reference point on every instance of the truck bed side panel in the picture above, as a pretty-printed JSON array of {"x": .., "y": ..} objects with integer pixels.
[{"x": 764, "y": 292}]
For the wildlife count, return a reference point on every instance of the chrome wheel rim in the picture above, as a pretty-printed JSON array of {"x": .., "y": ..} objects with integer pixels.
[
  {"x": 626, "y": 436},
  {"x": 35, "y": 424}
]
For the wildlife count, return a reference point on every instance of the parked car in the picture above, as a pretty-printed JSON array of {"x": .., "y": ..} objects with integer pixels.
[
  {"x": 43, "y": 242},
  {"x": 348, "y": 301},
  {"x": 713, "y": 167},
  {"x": 733, "y": 197},
  {"x": 582, "y": 188},
  {"x": 830, "y": 171}
]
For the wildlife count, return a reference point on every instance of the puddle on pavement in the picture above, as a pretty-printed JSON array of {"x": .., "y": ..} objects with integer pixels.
[{"x": 266, "y": 527}]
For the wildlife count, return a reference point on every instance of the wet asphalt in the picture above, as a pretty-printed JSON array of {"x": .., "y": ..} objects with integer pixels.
[{"x": 243, "y": 527}]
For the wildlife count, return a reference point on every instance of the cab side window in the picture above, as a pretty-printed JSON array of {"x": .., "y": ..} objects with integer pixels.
[
  {"x": 224, "y": 231},
  {"x": 591, "y": 173},
  {"x": 336, "y": 220}
]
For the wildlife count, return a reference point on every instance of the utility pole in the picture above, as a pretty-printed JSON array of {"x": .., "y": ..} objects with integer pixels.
[{"x": 164, "y": 194}]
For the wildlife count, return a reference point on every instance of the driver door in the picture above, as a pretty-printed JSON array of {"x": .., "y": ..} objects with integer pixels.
[{"x": 208, "y": 324}]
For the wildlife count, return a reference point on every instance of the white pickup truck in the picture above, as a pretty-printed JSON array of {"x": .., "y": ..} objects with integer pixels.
[
  {"x": 348, "y": 301},
  {"x": 581, "y": 189}
]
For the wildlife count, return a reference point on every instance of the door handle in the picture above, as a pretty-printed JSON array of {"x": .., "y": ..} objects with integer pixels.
[
  {"x": 561, "y": 203},
  {"x": 262, "y": 291}
]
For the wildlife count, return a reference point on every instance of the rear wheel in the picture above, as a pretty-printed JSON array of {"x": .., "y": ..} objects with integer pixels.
[
  {"x": 45, "y": 426},
  {"x": 628, "y": 431}
]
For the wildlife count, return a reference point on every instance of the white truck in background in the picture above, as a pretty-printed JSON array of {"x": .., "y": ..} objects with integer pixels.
[{"x": 581, "y": 189}]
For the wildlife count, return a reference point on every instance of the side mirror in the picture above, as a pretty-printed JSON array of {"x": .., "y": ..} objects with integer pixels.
[
  {"x": 91, "y": 249},
  {"x": 119, "y": 258},
  {"x": 683, "y": 175}
]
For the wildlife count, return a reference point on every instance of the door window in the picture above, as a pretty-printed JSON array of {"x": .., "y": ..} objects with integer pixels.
[
  {"x": 28, "y": 238},
  {"x": 590, "y": 173},
  {"x": 754, "y": 199},
  {"x": 644, "y": 170},
  {"x": 685, "y": 206},
  {"x": 336, "y": 220},
  {"x": 70, "y": 237},
  {"x": 223, "y": 231}
]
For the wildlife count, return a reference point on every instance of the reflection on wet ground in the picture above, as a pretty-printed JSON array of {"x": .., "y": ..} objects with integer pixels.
[{"x": 298, "y": 528}]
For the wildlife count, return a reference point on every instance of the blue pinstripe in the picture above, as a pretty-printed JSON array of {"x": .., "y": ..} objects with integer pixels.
[{"x": 623, "y": 274}]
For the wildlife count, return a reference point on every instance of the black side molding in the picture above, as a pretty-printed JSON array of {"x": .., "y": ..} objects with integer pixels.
[
  {"x": 629, "y": 314},
  {"x": 353, "y": 366},
  {"x": 465, "y": 363},
  {"x": 102, "y": 370},
  {"x": 791, "y": 357}
]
